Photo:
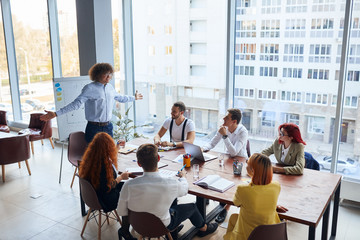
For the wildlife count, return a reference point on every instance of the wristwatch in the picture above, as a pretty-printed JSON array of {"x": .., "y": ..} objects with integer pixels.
[
  {"x": 224, "y": 136},
  {"x": 174, "y": 144}
]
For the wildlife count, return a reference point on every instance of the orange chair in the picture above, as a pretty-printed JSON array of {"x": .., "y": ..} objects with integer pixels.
[
  {"x": 3, "y": 123},
  {"x": 14, "y": 149},
  {"x": 76, "y": 148},
  {"x": 38, "y": 130}
]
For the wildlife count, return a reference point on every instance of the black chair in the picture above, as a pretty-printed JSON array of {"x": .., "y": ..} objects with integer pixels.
[
  {"x": 310, "y": 162},
  {"x": 248, "y": 148},
  {"x": 76, "y": 149},
  {"x": 269, "y": 232}
]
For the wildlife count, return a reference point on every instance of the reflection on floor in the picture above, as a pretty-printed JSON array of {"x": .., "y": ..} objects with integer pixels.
[{"x": 38, "y": 207}]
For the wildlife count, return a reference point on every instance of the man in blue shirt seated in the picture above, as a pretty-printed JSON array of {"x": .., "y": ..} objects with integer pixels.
[
  {"x": 155, "y": 194},
  {"x": 99, "y": 98}
]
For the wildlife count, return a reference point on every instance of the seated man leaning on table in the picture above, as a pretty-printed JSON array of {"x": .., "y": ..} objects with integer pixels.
[
  {"x": 233, "y": 133},
  {"x": 235, "y": 137},
  {"x": 155, "y": 194},
  {"x": 181, "y": 129}
]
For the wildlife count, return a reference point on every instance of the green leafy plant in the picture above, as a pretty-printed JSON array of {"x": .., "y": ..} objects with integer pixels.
[{"x": 125, "y": 127}]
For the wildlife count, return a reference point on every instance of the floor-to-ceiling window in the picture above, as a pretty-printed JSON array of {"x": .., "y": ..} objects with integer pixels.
[
  {"x": 5, "y": 96},
  {"x": 287, "y": 62},
  {"x": 33, "y": 56}
]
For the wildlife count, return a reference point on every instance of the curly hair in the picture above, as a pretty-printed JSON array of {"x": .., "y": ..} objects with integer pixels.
[
  {"x": 99, "y": 69},
  {"x": 101, "y": 152}
]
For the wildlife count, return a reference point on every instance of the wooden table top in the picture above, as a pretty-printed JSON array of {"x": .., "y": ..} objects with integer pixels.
[{"x": 306, "y": 196}]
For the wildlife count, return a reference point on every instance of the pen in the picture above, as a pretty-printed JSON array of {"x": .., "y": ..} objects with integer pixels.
[{"x": 181, "y": 168}]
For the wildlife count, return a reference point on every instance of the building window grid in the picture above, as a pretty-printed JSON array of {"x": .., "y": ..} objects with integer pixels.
[
  {"x": 349, "y": 101},
  {"x": 316, "y": 125},
  {"x": 270, "y": 6},
  {"x": 244, "y": 93},
  {"x": 290, "y": 96},
  {"x": 268, "y": 119},
  {"x": 292, "y": 72},
  {"x": 291, "y": 118},
  {"x": 168, "y": 50},
  {"x": 320, "y": 53},
  {"x": 295, "y": 28},
  {"x": 268, "y": 71},
  {"x": 322, "y": 28},
  {"x": 323, "y": 6},
  {"x": 316, "y": 98},
  {"x": 243, "y": 7},
  {"x": 351, "y": 75},
  {"x": 267, "y": 94},
  {"x": 270, "y": 28},
  {"x": 151, "y": 30},
  {"x": 320, "y": 74},
  {"x": 168, "y": 30},
  {"x": 353, "y": 55},
  {"x": 355, "y": 28},
  {"x": 293, "y": 53},
  {"x": 244, "y": 70},
  {"x": 246, "y": 29},
  {"x": 245, "y": 51},
  {"x": 269, "y": 52},
  {"x": 296, "y": 6}
]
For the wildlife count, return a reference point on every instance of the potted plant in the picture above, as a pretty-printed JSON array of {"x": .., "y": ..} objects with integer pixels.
[{"x": 125, "y": 129}]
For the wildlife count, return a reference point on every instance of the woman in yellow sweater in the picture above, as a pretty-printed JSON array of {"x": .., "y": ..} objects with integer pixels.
[{"x": 257, "y": 201}]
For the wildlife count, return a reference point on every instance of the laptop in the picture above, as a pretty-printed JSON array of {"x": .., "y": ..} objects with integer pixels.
[{"x": 196, "y": 152}]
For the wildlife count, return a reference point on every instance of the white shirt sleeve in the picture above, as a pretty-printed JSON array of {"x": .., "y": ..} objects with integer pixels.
[
  {"x": 166, "y": 123},
  {"x": 183, "y": 187},
  {"x": 234, "y": 149},
  {"x": 190, "y": 126},
  {"x": 215, "y": 140},
  {"x": 122, "y": 208}
]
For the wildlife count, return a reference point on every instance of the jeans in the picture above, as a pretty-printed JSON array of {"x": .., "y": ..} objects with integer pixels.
[
  {"x": 91, "y": 130},
  {"x": 181, "y": 212}
]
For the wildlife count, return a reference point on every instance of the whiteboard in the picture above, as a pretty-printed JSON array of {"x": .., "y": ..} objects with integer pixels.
[{"x": 65, "y": 91}]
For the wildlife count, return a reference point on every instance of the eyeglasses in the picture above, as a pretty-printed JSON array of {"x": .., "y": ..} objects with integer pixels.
[
  {"x": 281, "y": 134},
  {"x": 109, "y": 75}
]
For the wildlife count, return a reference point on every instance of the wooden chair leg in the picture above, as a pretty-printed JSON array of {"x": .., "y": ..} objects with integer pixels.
[
  {"x": 27, "y": 166},
  {"x": 117, "y": 216},
  {"x": 140, "y": 237},
  {"x": 42, "y": 142},
  {"x": 169, "y": 236},
  {"x": 99, "y": 231},
  {"x": 19, "y": 164},
  {"x": 107, "y": 218},
  {"x": 32, "y": 147},
  {"x": 86, "y": 220},
  {"x": 3, "y": 172},
  {"x": 52, "y": 144},
  {"x": 73, "y": 177}
]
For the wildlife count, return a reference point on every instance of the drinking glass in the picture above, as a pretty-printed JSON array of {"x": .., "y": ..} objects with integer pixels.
[
  {"x": 195, "y": 169},
  {"x": 221, "y": 160},
  {"x": 121, "y": 142}
]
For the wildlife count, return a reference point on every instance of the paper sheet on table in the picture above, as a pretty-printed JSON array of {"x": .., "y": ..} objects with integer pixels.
[{"x": 178, "y": 159}]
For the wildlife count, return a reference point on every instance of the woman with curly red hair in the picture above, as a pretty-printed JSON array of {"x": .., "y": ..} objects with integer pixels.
[
  {"x": 98, "y": 166},
  {"x": 288, "y": 150}
]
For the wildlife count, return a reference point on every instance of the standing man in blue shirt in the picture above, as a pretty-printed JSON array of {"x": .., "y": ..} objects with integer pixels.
[{"x": 99, "y": 98}]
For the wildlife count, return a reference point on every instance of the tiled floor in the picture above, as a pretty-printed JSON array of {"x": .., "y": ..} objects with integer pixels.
[{"x": 54, "y": 212}]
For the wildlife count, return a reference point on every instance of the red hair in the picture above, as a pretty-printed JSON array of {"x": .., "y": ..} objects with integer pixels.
[
  {"x": 101, "y": 152},
  {"x": 261, "y": 165},
  {"x": 293, "y": 131}
]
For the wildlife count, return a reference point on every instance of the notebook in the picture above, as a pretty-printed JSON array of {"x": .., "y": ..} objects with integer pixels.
[
  {"x": 128, "y": 149},
  {"x": 197, "y": 153},
  {"x": 215, "y": 182}
]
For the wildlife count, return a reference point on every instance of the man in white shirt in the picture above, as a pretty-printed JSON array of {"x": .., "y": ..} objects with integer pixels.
[
  {"x": 181, "y": 129},
  {"x": 233, "y": 133},
  {"x": 155, "y": 194},
  {"x": 235, "y": 137}
]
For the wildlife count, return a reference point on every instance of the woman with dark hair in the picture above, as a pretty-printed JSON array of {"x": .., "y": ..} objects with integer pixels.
[
  {"x": 288, "y": 150},
  {"x": 98, "y": 166},
  {"x": 257, "y": 201}
]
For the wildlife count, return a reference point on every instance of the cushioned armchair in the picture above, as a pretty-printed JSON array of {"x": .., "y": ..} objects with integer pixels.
[
  {"x": 38, "y": 130},
  {"x": 3, "y": 123},
  {"x": 14, "y": 149}
]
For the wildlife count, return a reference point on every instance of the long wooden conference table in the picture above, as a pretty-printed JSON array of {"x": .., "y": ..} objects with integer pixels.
[{"x": 307, "y": 196}]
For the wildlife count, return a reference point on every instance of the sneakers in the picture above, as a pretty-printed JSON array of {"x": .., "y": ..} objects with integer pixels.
[
  {"x": 211, "y": 227},
  {"x": 125, "y": 234},
  {"x": 221, "y": 216}
]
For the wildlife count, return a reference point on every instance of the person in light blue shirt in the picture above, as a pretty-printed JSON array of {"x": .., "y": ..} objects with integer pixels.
[{"x": 99, "y": 98}]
